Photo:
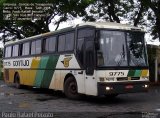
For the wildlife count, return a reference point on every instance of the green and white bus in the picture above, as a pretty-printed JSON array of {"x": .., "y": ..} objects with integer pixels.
[{"x": 91, "y": 58}]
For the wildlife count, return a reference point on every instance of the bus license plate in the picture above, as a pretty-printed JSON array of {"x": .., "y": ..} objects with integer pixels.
[{"x": 129, "y": 86}]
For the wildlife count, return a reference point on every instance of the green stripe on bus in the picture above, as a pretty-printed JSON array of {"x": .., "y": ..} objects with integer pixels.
[
  {"x": 52, "y": 62},
  {"x": 137, "y": 73},
  {"x": 131, "y": 73},
  {"x": 44, "y": 75}
]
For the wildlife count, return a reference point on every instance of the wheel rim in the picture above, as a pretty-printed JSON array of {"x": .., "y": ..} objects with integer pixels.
[{"x": 73, "y": 88}]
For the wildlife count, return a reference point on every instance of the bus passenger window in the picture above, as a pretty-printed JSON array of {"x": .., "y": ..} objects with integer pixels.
[
  {"x": 61, "y": 43},
  {"x": 50, "y": 45},
  {"x": 69, "y": 43},
  {"x": 33, "y": 47},
  {"x": 25, "y": 48},
  {"x": 15, "y": 50},
  {"x": 8, "y": 51},
  {"x": 38, "y": 46}
]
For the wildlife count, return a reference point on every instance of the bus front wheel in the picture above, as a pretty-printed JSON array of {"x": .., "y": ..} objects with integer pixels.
[
  {"x": 70, "y": 88},
  {"x": 17, "y": 81}
]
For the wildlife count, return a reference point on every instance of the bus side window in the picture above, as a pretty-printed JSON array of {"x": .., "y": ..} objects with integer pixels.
[
  {"x": 50, "y": 45},
  {"x": 61, "y": 43},
  {"x": 36, "y": 47},
  {"x": 15, "y": 50},
  {"x": 82, "y": 34},
  {"x": 26, "y": 48},
  {"x": 33, "y": 47},
  {"x": 69, "y": 43},
  {"x": 8, "y": 51}
]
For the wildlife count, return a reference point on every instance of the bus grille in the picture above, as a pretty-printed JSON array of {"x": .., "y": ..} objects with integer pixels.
[
  {"x": 122, "y": 78},
  {"x": 135, "y": 78},
  {"x": 127, "y": 78}
]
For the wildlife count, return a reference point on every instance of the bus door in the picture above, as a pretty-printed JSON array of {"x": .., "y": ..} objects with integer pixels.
[{"x": 89, "y": 59}]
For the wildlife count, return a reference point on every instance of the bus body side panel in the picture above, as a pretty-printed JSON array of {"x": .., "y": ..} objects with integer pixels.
[
  {"x": 91, "y": 84},
  {"x": 67, "y": 64},
  {"x": 45, "y": 71},
  {"x": 33, "y": 70}
]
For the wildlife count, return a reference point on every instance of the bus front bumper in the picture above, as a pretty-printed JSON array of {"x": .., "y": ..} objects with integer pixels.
[{"x": 122, "y": 87}]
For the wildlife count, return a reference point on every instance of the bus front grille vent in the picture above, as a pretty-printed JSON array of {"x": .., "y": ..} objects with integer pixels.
[
  {"x": 135, "y": 78},
  {"x": 127, "y": 78},
  {"x": 122, "y": 78}
]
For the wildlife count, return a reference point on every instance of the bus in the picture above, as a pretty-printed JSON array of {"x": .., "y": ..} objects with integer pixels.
[{"x": 92, "y": 58}]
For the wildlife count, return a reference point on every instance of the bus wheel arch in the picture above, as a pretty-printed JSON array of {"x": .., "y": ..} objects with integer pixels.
[
  {"x": 70, "y": 87},
  {"x": 17, "y": 80}
]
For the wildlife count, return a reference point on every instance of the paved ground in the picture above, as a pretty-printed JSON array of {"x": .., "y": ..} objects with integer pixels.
[{"x": 40, "y": 100}]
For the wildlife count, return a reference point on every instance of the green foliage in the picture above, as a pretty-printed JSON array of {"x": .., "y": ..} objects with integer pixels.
[
  {"x": 20, "y": 29},
  {"x": 132, "y": 11}
]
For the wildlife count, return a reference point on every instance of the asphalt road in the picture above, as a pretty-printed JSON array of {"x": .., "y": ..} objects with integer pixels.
[{"x": 143, "y": 105}]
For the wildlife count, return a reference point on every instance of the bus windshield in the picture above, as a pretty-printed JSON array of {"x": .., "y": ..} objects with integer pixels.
[{"x": 118, "y": 48}]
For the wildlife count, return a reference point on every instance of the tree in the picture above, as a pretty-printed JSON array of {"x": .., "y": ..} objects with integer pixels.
[
  {"x": 20, "y": 29},
  {"x": 117, "y": 11},
  {"x": 143, "y": 13},
  {"x": 154, "y": 5}
]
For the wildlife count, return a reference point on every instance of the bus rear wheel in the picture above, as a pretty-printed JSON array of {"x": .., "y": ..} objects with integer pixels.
[
  {"x": 70, "y": 88},
  {"x": 17, "y": 81}
]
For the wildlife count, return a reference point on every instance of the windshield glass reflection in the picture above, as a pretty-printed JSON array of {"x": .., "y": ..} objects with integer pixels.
[
  {"x": 114, "y": 51},
  {"x": 135, "y": 42}
]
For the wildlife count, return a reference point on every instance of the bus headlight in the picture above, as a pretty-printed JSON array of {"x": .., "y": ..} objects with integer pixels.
[
  {"x": 108, "y": 88},
  {"x": 146, "y": 86}
]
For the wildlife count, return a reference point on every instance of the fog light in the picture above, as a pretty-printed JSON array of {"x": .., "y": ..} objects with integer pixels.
[
  {"x": 108, "y": 88},
  {"x": 146, "y": 86}
]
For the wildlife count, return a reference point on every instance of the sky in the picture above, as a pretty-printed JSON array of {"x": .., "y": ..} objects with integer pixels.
[
  {"x": 62, "y": 25},
  {"x": 76, "y": 21},
  {"x": 79, "y": 20}
]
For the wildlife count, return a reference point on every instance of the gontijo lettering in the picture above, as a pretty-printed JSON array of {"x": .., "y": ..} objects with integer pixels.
[{"x": 21, "y": 63}]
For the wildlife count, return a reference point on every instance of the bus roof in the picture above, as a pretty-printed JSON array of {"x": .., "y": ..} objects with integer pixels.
[
  {"x": 111, "y": 25},
  {"x": 107, "y": 25}
]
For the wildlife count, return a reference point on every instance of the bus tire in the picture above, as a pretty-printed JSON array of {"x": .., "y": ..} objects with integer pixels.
[
  {"x": 17, "y": 81},
  {"x": 70, "y": 88}
]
